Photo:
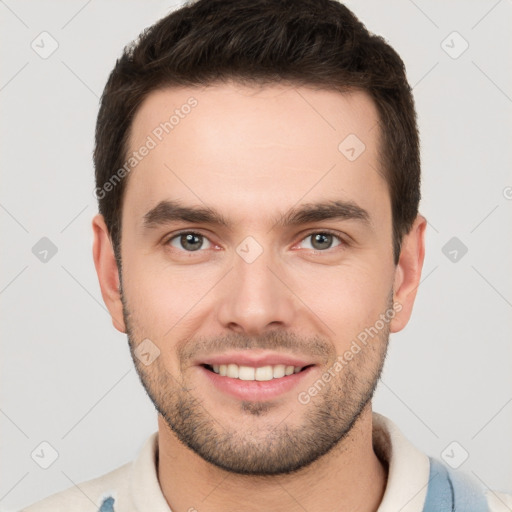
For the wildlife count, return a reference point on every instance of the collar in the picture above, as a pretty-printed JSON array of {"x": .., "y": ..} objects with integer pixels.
[{"x": 408, "y": 468}]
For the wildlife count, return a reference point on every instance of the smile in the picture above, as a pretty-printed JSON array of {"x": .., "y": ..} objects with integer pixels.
[{"x": 248, "y": 373}]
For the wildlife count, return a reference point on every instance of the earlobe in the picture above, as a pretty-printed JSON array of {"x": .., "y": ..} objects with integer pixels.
[
  {"x": 408, "y": 273},
  {"x": 107, "y": 271}
]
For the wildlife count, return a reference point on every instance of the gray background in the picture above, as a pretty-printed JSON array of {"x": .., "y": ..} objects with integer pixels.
[{"x": 66, "y": 374}]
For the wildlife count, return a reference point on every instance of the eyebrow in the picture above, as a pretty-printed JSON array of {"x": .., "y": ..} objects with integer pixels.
[
  {"x": 330, "y": 210},
  {"x": 172, "y": 211}
]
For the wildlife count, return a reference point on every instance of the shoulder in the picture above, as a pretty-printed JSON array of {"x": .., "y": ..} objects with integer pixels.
[
  {"x": 499, "y": 501},
  {"x": 89, "y": 496},
  {"x": 468, "y": 492}
]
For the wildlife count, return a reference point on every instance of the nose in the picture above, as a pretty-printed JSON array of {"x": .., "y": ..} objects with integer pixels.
[{"x": 256, "y": 297}]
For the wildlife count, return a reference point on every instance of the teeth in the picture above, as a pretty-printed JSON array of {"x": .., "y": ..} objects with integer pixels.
[
  {"x": 264, "y": 373},
  {"x": 279, "y": 371},
  {"x": 232, "y": 371},
  {"x": 249, "y": 373},
  {"x": 288, "y": 370},
  {"x": 246, "y": 373}
]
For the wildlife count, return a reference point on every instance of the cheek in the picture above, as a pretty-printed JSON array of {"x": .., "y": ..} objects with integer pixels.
[
  {"x": 162, "y": 298},
  {"x": 349, "y": 297}
]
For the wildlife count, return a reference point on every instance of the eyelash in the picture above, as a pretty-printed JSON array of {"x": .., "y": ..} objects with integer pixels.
[{"x": 335, "y": 234}]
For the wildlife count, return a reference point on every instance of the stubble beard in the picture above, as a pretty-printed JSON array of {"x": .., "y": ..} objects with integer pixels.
[{"x": 263, "y": 448}]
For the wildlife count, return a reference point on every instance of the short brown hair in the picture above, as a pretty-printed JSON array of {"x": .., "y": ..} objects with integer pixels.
[{"x": 317, "y": 43}]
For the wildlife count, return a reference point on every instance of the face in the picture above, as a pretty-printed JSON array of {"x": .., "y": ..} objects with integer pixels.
[{"x": 256, "y": 253}]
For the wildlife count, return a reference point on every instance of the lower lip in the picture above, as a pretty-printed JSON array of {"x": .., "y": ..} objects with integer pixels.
[{"x": 255, "y": 390}]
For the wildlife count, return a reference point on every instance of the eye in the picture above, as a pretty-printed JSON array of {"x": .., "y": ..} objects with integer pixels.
[
  {"x": 323, "y": 240},
  {"x": 188, "y": 241}
]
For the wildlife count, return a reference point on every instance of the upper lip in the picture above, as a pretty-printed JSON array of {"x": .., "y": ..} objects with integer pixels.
[{"x": 253, "y": 359}]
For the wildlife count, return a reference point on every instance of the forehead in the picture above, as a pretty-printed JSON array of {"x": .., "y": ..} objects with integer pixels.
[{"x": 248, "y": 148}]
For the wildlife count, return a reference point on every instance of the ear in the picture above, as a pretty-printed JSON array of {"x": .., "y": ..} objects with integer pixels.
[
  {"x": 408, "y": 273},
  {"x": 108, "y": 274}
]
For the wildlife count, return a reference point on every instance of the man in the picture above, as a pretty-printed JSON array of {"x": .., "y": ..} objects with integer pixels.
[{"x": 258, "y": 177}]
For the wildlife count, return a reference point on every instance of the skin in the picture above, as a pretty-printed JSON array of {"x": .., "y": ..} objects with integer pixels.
[{"x": 240, "y": 145}]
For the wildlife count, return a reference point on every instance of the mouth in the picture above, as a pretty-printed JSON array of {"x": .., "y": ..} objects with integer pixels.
[
  {"x": 251, "y": 373},
  {"x": 254, "y": 376}
]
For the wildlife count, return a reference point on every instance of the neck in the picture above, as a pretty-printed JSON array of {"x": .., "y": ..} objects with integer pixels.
[{"x": 348, "y": 478}]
